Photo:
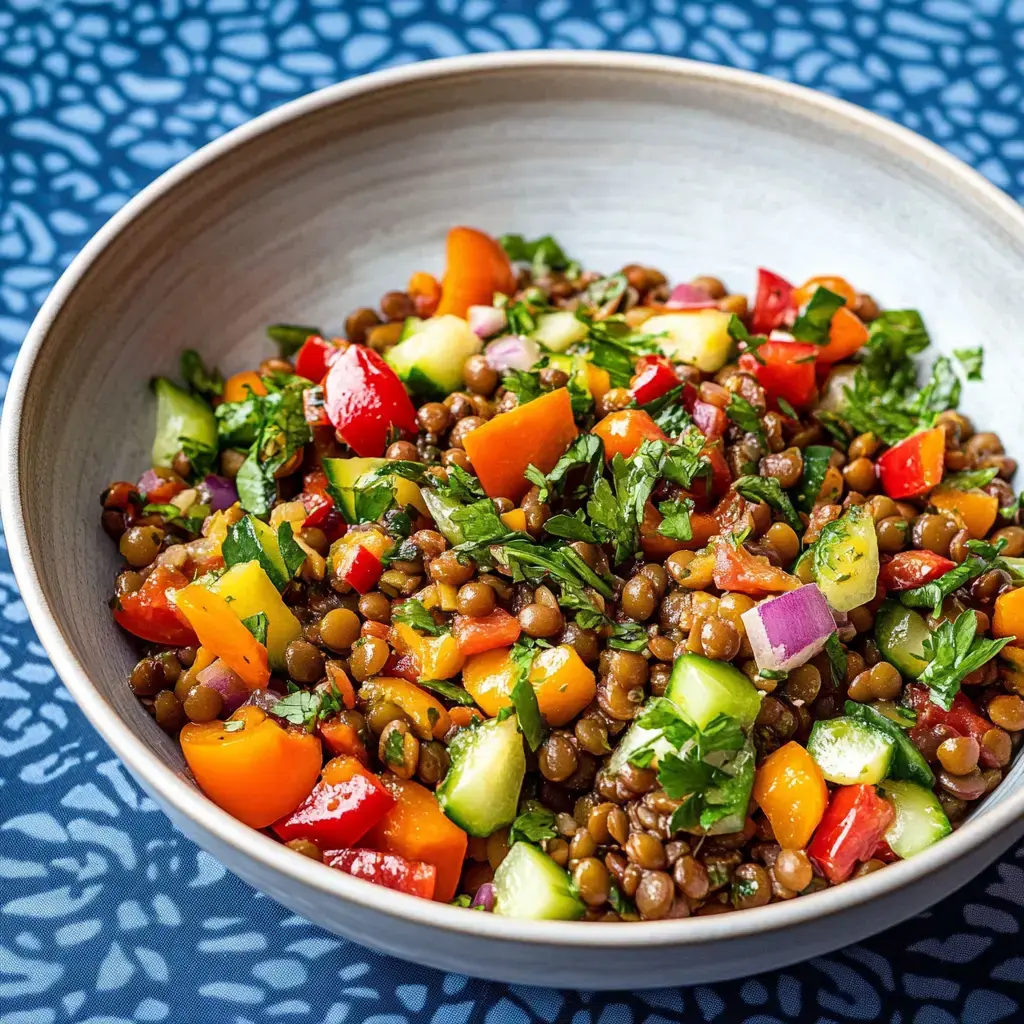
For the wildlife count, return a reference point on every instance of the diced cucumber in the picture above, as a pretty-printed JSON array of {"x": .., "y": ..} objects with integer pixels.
[
  {"x": 846, "y": 560},
  {"x": 346, "y": 476},
  {"x": 849, "y": 753},
  {"x": 557, "y": 331},
  {"x": 480, "y": 793},
  {"x": 920, "y": 819},
  {"x": 900, "y": 634},
  {"x": 249, "y": 591},
  {"x": 731, "y": 797},
  {"x": 180, "y": 415},
  {"x": 411, "y": 326},
  {"x": 700, "y": 338},
  {"x": 804, "y": 561},
  {"x": 440, "y": 510},
  {"x": 907, "y": 761},
  {"x": 430, "y": 360},
  {"x": 250, "y": 539},
  {"x": 704, "y": 689},
  {"x": 635, "y": 737},
  {"x": 529, "y": 884}
]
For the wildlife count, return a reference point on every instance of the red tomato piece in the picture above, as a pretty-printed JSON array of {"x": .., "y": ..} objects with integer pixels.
[
  {"x": 388, "y": 869},
  {"x": 737, "y": 569},
  {"x": 364, "y": 569},
  {"x": 849, "y": 833},
  {"x": 341, "y": 809},
  {"x": 908, "y": 569},
  {"x": 785, "y": 369},
  {"x": 314, "y": 358},
  {"x": 365, "y": 401},
  {"x": 655, "y": 377},
  {"x": 404, "y": 666},
  {"x": 773, "y": 304},
  {"x": 149, "y": 614},
  {"x": 914, "y": 465},
  {"x": 475, "y": 635},
  {"x": 162, "y": 493},
  {"x": 340, "y": 738}
]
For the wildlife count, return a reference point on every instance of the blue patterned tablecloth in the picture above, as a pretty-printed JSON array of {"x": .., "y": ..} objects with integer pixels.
[{"x": 109, "y": 916}]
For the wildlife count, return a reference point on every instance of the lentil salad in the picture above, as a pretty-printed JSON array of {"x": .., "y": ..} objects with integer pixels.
[{"x": 561, "y": 595}]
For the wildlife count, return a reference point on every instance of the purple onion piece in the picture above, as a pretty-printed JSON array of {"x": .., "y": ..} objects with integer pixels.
[
  {"x": 689, "y": 296},
  {"x": 512, "y": 352},
  {"x": 221, "y": 491},
  {"x": 484, "y": 897},
  {"x": 486, "y": 321},
  {"x": 227, "y": 683},
  {"x": 265, "y": 700},
  {"x": 787, "y": 631},
  {"x": 148, "y": 481}
]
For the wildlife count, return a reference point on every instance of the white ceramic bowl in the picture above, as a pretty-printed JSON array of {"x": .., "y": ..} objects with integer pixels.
[{"x": 321, "y": 206}]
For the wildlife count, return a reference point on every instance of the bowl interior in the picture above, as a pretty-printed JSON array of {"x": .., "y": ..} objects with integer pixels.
[{"x": 315, "y": 216}]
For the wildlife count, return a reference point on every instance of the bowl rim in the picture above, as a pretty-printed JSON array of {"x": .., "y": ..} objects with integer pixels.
[{"x": 189, "y": 803}]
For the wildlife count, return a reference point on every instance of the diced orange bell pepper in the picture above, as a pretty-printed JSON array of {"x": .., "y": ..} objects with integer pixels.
[
  {"x": 846, "y": 334},
  {"x": 463, "y": 716},
  {"x": 1008, "y": 616},
  {"x": 488, "y": 678},
  {"x": 791, "y": 790},
  {"x": 428, "y": 716},
  {"x": 476, "y": 268},
  {"x": 837, "y": 285},
  {"x": 417, "y": 829},
  {"x": 436, "y": 657},
  {"x": 655, "y": 545},
  {"x": 496, "y": 629},
  {"x": 236, "y": 388},
  {"x": 257, "y": 773},
  {"x": 599, "y": 381},
  {"x": 536, "y": 433},
  {"x": 976, "y": 509},
  {"x": 341, "y": 738},
  {"x": 563, "y": 684},
  {"x": 914, "y": 465},
  {"x": 514, "y": 519},
  {"x": 425, "y": 291},
  {"x": 624, "y": 431},
  {"x": 221, "y": 632}
]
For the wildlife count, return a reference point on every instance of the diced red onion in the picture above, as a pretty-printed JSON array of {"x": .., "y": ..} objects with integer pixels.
[
  {"x": 148, "y": 482},
  {"x": 486, "y": 321},
  {"x": 690, "y": 296},
  {"x": 513, "y": 352},
  {"x": 227, "y": 683},
  {"x": 778, "y": 335},
  {"x": 484, "y": 897},
  {"x": 222, "y": 492},
  {"x": 787, "y": 631}
]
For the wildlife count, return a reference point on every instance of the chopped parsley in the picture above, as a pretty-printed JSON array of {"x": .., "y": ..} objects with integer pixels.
[
  {"x": 574, "y": 473},
  {"x": 524, "y": 384},
  {"x": 257, "y": 625},
  {"x": 817, "y": 459},
  {"x": 837, "y": 659},
  {"x": 290, "y": 337},
  {"x": 394, "y": 748},
  {"x": 456, "y": 694},
  {"x": 954, "y": 652},
  {"x": 931, "y": 595},
  {"x": 813, "y": 324},
  {"x": 533, "y": 826},
  {"x": 307, "y": 707},
  {"x": 544, "y": 254},
  {"x": 208, "y": 383},
  {"x": 675, "y": 523},
  {"x": 524, "y": 698},
  {"x": 769, "y": 490},
  {"x": 746, "y": 417},
  {"x": 972, "y": 360},
  {"x": 411, "y": 612},
  {"x": 971, "y": 478}
]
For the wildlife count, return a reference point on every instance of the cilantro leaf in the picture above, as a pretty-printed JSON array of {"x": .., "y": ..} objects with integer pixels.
[
  {"x": 291, "y": 553},
  {"x": 209, "y": 383},
  {"x": 676, "y": 522},
  {"x": 461, "y": 486},
  {"x": 290, "y": 337},
  {"x": 479, "y": 524},
  {"x": 628, "y": 636},
  {"x": 746, "y": 417},
  {"x": 813, "y": 324},
  {"x": 954, "y": 652},
  {"x": 394, "y": 748},
  {"x": 571, "y": 527},
  {"x": 614, "y": 346},
  {"x": 971, "y": 359},
  {"x": 533, "y": 826},
  {"x": 669, "y": 412},
  {"x": 456, "y": 694},
  {"x": 202, "y": 457},
  {"x": 524, "y": 698},
  {"x": 524, "y": 384},
  {"x": 544, "y": 254},
  {"x": 933, "y": 594},
  {"x": 817, "y": 459},
  {"x": 412, "y": 613},
  {"x": 971, "y": 478},
  {"x": 581, "y": 464},
  {"x": 257, "y": 625},
  {"x": 769, "y": 490}
]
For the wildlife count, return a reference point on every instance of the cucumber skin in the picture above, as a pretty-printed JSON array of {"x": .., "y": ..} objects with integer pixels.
[
  {"x": 528, "y": 872},
  {"x": 178, "y": 415},
  {"x": 907, "y": 763},
  {"x": 825, "y": 737},
  {"x": 887, "y": 622},
  {"x": 503, "y": 781},
  {"x": 736, "y": 695},
  {"x": 920, "y": 821}
]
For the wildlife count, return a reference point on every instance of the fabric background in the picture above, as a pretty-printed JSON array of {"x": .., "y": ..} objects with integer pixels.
[{"x": 107, "y": 915}]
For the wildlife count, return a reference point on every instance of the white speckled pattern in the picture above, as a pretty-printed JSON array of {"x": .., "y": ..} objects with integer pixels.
[{"x": 323, "y": 205}]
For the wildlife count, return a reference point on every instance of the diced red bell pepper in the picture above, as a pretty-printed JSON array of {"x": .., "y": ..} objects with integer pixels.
[
  {"x": 655, "y": 377},
  {"x": 908, "y": 569},
  {"x": 340, "y": 738},
  {"x": 475, "y": 635},
  {"x": 149, "y": 614},
  {"x": 785, "y": 369},
  {"x": 363, "y": 570},
  {"x": 388, "y": 869},
  {"x": 162, "y": 492},
  {"x": 962, "y": 718},
  {"x": 313, "y": 360},
  {"x": 404, "y": 666},
  {"x": 320, "y": 509},
  {"x": 914, "y": 465},
  {"x": 366, "y": 402},
  {"x": 884, "y": 853},
  {"x": 342, "y": 808},
  {"x": 773, "y": 303},
  {"x": 737, "y": 569},
  {"x": 850, "y": 830},
  {"x": 123, "y": 497}
]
